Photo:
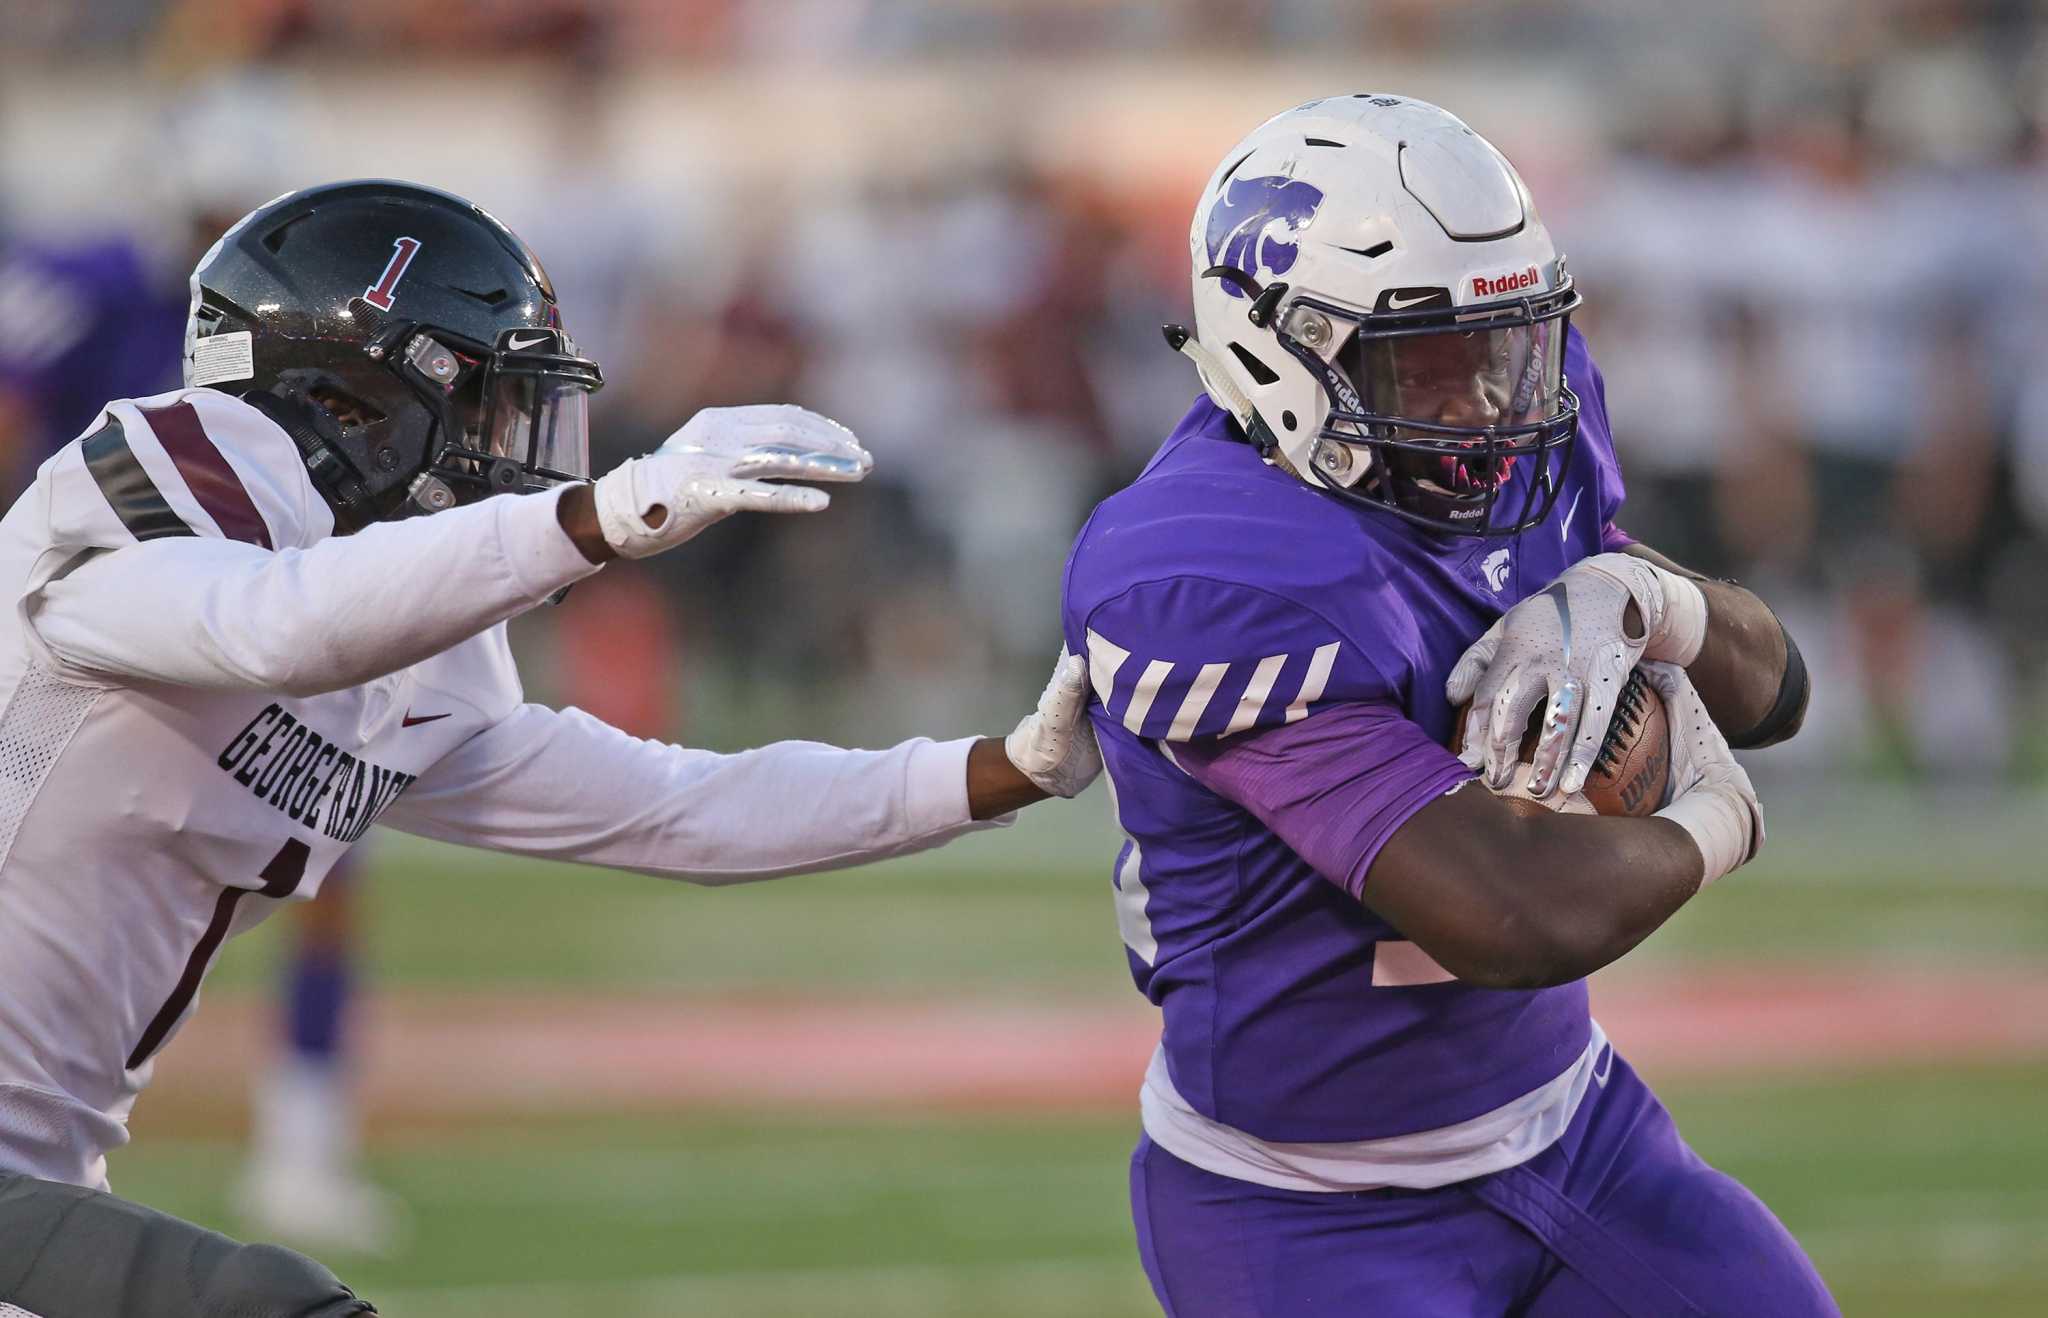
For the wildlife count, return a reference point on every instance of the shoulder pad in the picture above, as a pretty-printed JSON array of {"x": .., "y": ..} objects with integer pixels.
[
  {"x": 193, "y": 462},
  {"x": 1193, "y": 657}
]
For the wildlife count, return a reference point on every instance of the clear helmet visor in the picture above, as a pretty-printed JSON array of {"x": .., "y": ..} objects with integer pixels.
[
  {"x": 540, "y": 421},
  {"x": 1459, "y": 420},
  {"x": 1462, "y": 405},
  {"x": 522, "y": 407}
]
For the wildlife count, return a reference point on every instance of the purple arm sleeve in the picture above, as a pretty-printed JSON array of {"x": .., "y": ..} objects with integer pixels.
[
  {"x": 1613, "y": 539},
  {"x": 1333, "y": 786}
]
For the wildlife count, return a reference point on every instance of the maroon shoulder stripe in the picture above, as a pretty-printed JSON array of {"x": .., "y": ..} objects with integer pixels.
[{"x": 207, "y": 474}]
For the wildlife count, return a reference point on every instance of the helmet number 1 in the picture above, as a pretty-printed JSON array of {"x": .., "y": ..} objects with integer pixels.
[{"x": 379, "y": 294}]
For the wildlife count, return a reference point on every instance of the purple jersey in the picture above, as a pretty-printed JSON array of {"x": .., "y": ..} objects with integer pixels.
[
  {"x": 82, "y": 323},
  {"x": 1216, "y": 595}
]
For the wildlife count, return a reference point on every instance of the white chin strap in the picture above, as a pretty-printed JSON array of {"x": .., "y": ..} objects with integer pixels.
[{"x": 1217, "y": 382}]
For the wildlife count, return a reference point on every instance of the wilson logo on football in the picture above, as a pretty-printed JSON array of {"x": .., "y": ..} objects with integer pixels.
[
  {"x": 379, "y": 294},
  {"x": 1502, "y": 285}
]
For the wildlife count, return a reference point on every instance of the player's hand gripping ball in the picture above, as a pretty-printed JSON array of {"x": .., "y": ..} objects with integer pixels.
[
  {"x": 1568, "y": 649},
  {"x": 1631, "y": 773}
]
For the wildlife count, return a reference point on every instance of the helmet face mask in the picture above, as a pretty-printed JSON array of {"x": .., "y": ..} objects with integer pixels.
[
  {"x": 407, "y": 341},
  {"x": 511, "y": 417},
  {"x": 1376, "y": 299},
  {"x": 1433, "y": 417}
]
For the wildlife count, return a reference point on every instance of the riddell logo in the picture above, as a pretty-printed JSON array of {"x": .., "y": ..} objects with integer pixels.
[{"x": 1502, "y": 285}]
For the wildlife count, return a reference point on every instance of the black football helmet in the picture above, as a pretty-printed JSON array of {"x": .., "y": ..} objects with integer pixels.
[{"x": 408, "y": 342}]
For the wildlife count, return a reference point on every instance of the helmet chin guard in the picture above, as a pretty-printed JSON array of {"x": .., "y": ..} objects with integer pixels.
[{"x": 1375, "y": 296}]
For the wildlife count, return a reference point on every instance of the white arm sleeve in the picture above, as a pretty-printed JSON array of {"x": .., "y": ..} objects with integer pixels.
[
  {"x": 567, "y": 786},
  {"x": 205, "y": 612}
]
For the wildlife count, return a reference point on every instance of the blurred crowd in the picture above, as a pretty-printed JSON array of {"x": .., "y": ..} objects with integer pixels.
[
  {"x": 721, "y": 31},
  {"x": 1809, "y": 239}
]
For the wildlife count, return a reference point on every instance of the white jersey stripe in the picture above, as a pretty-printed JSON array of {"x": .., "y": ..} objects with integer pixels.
[
  {"x": 1133, "y": 922},
  {"x": 1197, "y": 702},
  {"x": 1131, "y": 897},
  {"x": 1105, "y": 657},
  {"x": 1319, "y": 666},
  {"x": 1154, "y": 677},
  {"x": 1254, "y": 698}
]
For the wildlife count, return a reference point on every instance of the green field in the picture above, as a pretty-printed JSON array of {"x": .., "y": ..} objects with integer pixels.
[
  {"x": 1918, "y": 1190},
  {"x": 1917, "y": 1194}
]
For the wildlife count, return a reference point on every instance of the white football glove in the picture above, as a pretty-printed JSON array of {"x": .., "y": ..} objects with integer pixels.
[
  {"x": 1711, "y": 797},
  {"x": 1055, "y": 746},
  {"x": 1567, "y": 643},
  {"x": 719, "y": 464}
]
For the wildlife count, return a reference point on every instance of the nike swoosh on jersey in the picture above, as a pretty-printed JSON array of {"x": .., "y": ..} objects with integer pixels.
[
  {"x": 411, "y": 721},
  {"x": 1564, "y": 532}
]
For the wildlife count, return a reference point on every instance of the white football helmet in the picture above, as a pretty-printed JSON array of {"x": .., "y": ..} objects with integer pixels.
[{"x": 1376, "y": 299}]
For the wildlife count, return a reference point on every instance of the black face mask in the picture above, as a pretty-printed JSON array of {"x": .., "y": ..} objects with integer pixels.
[{"x": 513, "y": 416}]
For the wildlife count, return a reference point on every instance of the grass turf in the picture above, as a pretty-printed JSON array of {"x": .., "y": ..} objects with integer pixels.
[{"x": 1916, "y": 1192}]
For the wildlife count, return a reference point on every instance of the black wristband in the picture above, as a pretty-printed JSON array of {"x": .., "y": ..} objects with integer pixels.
[{"x": 1790, "y": 704}]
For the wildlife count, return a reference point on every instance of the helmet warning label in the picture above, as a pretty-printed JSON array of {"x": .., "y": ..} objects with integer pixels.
[{"x": 219, "y": 358}]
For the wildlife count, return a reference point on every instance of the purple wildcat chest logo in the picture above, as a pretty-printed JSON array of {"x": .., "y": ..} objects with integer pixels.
[{"x": 1252, "y": 225}]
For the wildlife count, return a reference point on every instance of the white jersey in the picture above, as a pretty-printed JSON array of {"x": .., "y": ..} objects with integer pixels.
[{"x": 206, "y": 696}]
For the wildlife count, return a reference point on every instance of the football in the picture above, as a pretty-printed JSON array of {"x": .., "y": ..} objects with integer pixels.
[{"x": 1632, "y": 774}]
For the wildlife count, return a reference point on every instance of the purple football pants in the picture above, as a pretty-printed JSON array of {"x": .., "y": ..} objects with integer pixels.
[{"x": 1618, "y": 1219}]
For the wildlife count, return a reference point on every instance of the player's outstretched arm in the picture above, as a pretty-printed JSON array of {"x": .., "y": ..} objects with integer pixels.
[
  {"x": 195, "y": 610},
  {"x": 561, "y": 784},
  {"x": 225, "y": 615}
]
